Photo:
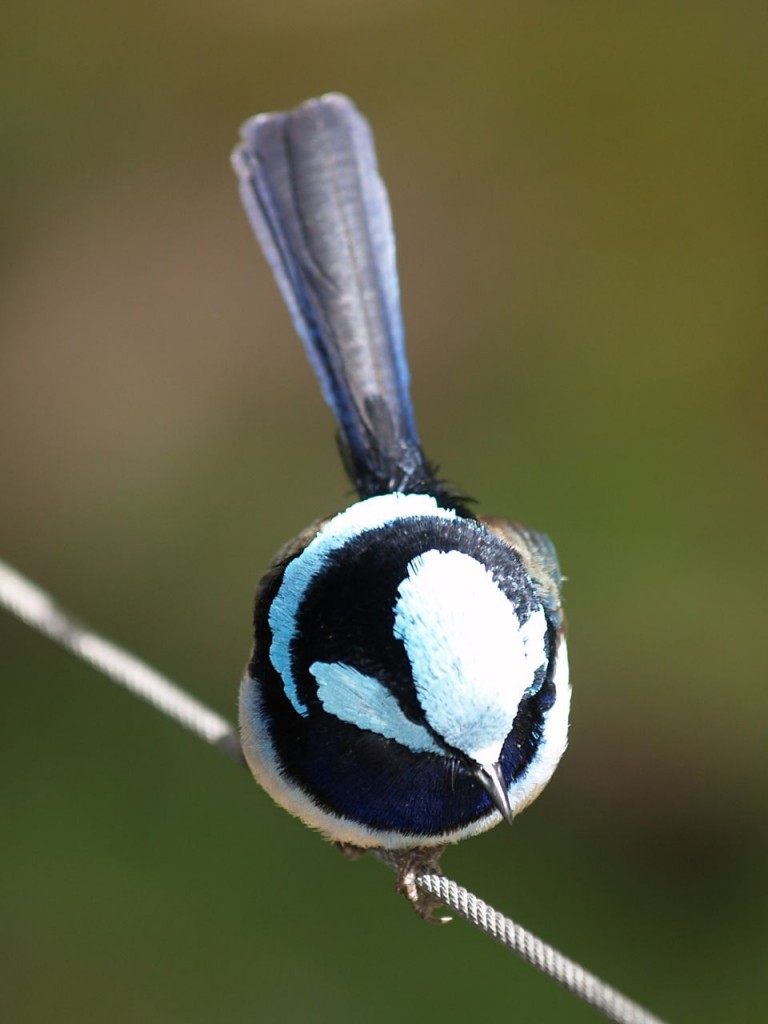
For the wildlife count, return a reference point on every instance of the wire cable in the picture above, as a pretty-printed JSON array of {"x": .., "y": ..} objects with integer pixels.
[
  {"x": 32, "y": 605},
  {"x": 611, "y": 1003},
  {"x": 37, "y": 609}
]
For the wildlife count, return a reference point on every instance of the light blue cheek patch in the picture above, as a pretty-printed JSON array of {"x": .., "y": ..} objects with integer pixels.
[
  {"x": 361, "y": 700},
  {"x": 471, "y": 658},
  {"x": 357, "y": 519}
]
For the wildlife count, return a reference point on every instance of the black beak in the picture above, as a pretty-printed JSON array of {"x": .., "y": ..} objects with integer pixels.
[{"x": 492, "y": 781}]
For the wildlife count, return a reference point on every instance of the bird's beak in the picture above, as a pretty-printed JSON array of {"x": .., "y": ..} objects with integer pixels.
[{"x": 492, "y": 781}]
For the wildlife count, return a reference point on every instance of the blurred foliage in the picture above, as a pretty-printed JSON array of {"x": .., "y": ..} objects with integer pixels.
[{"x": 579, "y": 193}]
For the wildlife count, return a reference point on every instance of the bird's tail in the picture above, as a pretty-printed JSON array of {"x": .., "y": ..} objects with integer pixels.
[{"x": 312, "y": 191}]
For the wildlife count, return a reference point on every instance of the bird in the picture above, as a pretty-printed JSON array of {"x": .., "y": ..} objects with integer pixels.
[{"x": 408, "y": 682}]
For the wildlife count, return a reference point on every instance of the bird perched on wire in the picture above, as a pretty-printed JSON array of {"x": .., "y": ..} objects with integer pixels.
[{"x": 408, "y": 685}]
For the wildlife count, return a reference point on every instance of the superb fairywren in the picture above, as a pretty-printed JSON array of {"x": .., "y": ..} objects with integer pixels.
[{"x": 408, "y": 685}]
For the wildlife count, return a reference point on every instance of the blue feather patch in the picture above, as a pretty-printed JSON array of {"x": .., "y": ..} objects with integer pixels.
[{"x": 363, "y": 701}]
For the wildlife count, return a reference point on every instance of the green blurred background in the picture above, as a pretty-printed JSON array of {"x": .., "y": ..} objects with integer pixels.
[{"x": 579, "y": 195}]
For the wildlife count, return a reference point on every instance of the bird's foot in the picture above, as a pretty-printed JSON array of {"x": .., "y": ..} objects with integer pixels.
[{"x": 409, "y": 864}]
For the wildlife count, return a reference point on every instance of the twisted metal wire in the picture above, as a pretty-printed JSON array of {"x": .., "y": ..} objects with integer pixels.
[
  {"x": 611, "y": 1003},
  {"x": 32, "y": 605},
  {"x": 36, "y": 608}
]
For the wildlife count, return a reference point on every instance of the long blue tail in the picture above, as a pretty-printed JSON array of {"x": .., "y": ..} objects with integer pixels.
[{"x": 311, "y": 188}]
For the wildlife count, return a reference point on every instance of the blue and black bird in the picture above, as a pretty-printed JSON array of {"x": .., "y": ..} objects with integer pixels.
[{"x": 408, "y": 685}]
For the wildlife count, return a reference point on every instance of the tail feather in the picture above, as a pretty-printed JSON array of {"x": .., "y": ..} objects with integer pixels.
[{"x": 311, "y": 188}]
